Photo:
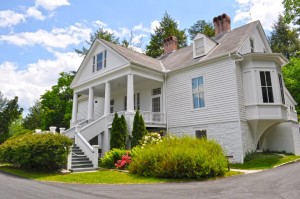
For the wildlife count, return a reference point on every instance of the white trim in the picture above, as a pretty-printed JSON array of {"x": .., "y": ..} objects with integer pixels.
[{"x": 191, "y": 92}]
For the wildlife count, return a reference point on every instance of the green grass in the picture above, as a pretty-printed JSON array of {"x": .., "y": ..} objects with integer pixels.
[
  {"x": 265, "y": 161},
  {"x": 99, "y": 177}
]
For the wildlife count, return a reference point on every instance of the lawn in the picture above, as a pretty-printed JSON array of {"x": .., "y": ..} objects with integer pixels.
[
  {"x": 98, "y": 177},
  {"x": 265, "y": 161}
]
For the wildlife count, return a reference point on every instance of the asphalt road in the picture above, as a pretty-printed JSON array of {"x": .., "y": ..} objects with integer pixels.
[{"x": 282, "y": 182}]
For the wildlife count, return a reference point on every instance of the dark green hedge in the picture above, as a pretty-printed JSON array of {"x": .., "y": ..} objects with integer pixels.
[
  {"x": 184, "y": 157},
  {"x": 46, "y": 151}
]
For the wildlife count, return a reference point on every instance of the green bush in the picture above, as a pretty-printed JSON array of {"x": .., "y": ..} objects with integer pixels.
[
  {"x": 138, "y": 129},
  {"x": 46, "y": 151},
  {"x": 118, "y": 132},
  {"x": 184, "y": 157},
  {"x": 111, "y": 157}
]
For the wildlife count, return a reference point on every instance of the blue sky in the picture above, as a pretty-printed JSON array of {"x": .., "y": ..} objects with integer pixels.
[{"x": 38, "y": 37}]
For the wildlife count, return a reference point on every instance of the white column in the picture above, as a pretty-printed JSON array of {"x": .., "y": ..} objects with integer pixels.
[
  {"x": 91, "y": 104},
  {"x": 75, "y": 108},
  {"x": 107, "y": 99},
  {"x": 130, "y": 92}
]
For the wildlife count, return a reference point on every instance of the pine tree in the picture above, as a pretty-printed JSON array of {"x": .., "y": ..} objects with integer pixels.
[
  {"x": 138, "y": 130},
  {"x": 168, "y": 27},
  {"x": 123, "y": 131},
  {"x": 118, "y": 132},
  {"x": 201, "y": 26},
  {"x": 283, "y": 39}
]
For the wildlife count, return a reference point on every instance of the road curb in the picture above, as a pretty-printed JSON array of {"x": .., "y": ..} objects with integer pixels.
[{"x": 290, "y": 162}]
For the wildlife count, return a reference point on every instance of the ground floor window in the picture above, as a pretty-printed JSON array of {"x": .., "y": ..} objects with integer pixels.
[{"x": 201, "y": 133}]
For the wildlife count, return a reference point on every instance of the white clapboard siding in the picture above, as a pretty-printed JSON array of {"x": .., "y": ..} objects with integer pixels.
[
  {"x": 240, "y": 92},
  {"x": 82, "y": 109},
  {"x": 259, "y": 45},
  {"x": 220, "y": 95}
]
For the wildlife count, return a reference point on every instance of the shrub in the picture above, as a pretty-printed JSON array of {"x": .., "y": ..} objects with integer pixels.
[
  {"x": 138, "y": 129},
  {"x": 45, "y": 151},
  {"x": 111, "y": 157},
  {"x": 124, "y": 162},
  {"x": 150, "y": 138},
  {"x": 118, "y": 132},
  {"x": 184, "y": 157}
]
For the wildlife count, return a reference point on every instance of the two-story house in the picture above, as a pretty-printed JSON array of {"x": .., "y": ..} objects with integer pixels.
[{"x": 228, "y": 88}]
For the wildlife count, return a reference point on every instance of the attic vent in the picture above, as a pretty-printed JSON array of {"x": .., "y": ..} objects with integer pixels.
[
  {"x": 156, "y": 91},
  {"x": 199, "y": 47}
]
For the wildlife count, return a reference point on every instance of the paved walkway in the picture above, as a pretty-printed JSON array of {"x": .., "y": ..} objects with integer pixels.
[{"x": 246, "y": 171}]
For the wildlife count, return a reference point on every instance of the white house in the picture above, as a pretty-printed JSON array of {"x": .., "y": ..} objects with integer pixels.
[{"x": 228, "y": 88}]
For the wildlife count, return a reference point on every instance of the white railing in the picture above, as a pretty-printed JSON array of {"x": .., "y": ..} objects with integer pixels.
[
  {"x": 71, "y": 131},
  {"x": 94, "y": 128},
  {"x": 153, "y": 117},
  {"x": 90, "y": 151},
  {"x": 111, "y": 116}
]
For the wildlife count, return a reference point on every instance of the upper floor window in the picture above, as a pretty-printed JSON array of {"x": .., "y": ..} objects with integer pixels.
[
  {"x": 198, "y": 92},
  {"x": 99, "y": 61},
  {"x": 266, "y": 86},
  {"x": 281, "y": 89},
  {"x": 252, "y": 45},
  {"x": 199, "y": 47}
]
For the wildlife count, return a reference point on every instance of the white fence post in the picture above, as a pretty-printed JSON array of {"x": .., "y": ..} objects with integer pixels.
[{"x": 52, "y": 129}]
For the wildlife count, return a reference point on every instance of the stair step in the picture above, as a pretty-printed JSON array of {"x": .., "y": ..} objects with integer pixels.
[
  {"x": 81, "y": 162},
  {"x": 83, "y": 169},
  {"x": 80, "y": 158},
  {"x": 81, "y": 165},
  {"x": 78, "y": 153}
]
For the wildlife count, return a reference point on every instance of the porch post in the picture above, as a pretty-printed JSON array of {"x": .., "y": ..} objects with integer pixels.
[
  {"x": 91, "y": 104},
  {"x": 107, "y": 99},
  {"x": 130, "y": 90},
  {"x": 74, "y": 108}
]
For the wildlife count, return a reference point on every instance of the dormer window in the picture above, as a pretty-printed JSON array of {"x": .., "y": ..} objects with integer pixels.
[
  {"x": 199, "y": 47},
  {"x": 99, "y": 61}
]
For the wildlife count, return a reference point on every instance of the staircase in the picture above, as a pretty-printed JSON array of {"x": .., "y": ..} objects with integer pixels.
[{"x": 80, "y": 162}]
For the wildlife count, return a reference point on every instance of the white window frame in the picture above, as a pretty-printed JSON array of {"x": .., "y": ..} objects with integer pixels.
[
  {"x": 252, "y": 48},
  {"x": 155, "y": 96},
  {"x": 104, "y": 60},
  {"x": 273, "y": 86},
  {"x": 195, "y": 47},
  {"x": 191, "y": 92}
]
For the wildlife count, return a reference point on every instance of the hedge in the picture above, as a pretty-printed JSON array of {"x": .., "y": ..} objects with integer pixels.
[
  {"x": 111, "y": 157},
  {"x": 46, "y": 151},
  {"x": 184, "y": 157}
]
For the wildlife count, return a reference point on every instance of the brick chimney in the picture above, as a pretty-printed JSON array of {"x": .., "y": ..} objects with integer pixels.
[
  {"x": 222, "y": 24},
  {"x": 170, "y": 44}
]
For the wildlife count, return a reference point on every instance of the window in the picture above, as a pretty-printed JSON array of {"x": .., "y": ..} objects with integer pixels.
[
  {"x": 99, "y": 61},
  {"x": 281, "y": 89},
  {"x": 266, "y": 86},
  {"x": 125, "y": 103},
  {"x": 156, "y": 91},
  {"x": 112, "y": 103},
  {"x": 136, "y": 98},
  {"x": 198, "y": 92},
  {"x": 156, "y": 94},
  {"x": 199, "y": 47},
  {"x": 252, "y": 45},
  {"x": 200, "y": 134}
]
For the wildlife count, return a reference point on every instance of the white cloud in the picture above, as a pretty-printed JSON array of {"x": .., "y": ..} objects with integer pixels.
[
  {"x": 140, "y": 27},
  {"x": 10, "y": 18},
  {"x": 154, "y": 24},
  {"x": 266, "y": 11},
  {"x": 100, "y": 24},
  {"x": 56, "y": 38},
  {"x": 35, "y": 13},
  {"x": 137, "y": 39},
  {"x": 29, "y": 84},
  {"x": 51, "y": 4}
]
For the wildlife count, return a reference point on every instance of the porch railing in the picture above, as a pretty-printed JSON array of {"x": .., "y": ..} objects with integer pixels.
[{"x": 149, "y": 117}]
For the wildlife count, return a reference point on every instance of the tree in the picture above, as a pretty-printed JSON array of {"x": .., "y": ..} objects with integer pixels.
[
  {"x": 10, "y": 112},
  {"x": 56, "y": 104},
  {"x": 138, "y": 130},
  {"x": 291, "y": 75},
  {"x": 284, "y": 39},
  {"x": 292, "y": 11},
  {"x": 118, "y": 132},
  {"x": 201, "y": 26},
  {"x": 34, "y": 118},
  {"x": 100, "y": 33},
  {"x": 168, "y": 27}
]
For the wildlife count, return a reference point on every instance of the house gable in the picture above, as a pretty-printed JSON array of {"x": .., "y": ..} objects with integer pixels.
[
  {"x": 88, "y": 67},
  {"x": 202, "y": 45}
]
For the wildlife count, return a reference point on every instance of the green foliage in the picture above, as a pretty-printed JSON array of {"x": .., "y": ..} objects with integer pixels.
[
  {"x": 150, "y": 138},
  {"x": 291, "y": 75},
  {"x": 168, "y": 27},
  {"x": 283, "y": 39},
  {"x": 138, "y": 130},
  {"x": 100, "y": 33},
  {"x": 16, "y": 128},
  {"x": 292, "y": 11},
  {"x": 118, "y": 132},
  {"x": 9, "y": 112},
  {"x": 45, "y": 151},
  {"x": 201, "y": 26},
  {"x": 184, "y": 157},
  {"x": 111, "y": 157},
  {"x": 55, "y": 106}
]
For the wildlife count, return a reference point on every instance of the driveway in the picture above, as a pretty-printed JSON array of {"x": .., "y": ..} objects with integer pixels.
[{"x": 281, "y": 182}]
